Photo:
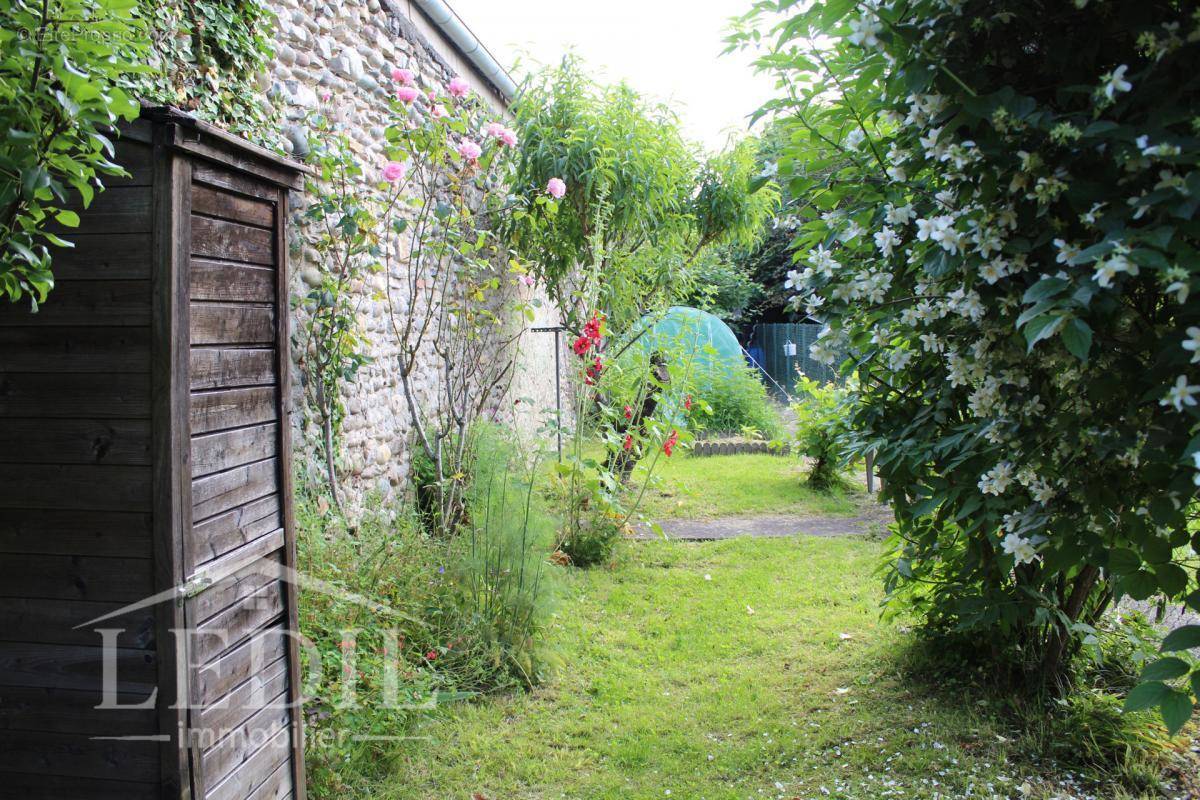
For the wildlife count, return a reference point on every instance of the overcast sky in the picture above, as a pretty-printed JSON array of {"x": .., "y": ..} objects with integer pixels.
[{"x": 667, "y": 49}]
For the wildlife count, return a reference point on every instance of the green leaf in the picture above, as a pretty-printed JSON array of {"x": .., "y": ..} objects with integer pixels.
[
  {"x": 1123, "y": 561},
  {"x": 1172, "y": 578},
  {"x": 1045, "y": 288},
  {"x": 1139, "y": 585},
  {"x": 68, "y": 218},
  {"x": 1042, "y": 328},
  {"x": 1146, "y": 695},
  {"x": 1077, "y": 336},
  {"x": 1165, "y": 669},
  {"x": 1184, "y": 638},
  {"x": 1176, "y": 710}
]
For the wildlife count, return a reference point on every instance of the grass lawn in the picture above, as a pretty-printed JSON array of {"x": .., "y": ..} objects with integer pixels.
[
  {"x": 736, "y": 669},
  {"x": 711, "y": 486}
]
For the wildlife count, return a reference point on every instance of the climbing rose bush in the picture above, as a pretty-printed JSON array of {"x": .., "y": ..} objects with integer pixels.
[{"x": 999, "y": 233}]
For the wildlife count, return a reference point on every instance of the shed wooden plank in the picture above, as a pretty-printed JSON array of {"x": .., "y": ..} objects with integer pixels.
[
  {"x": 222, "y": 367},
  {"x": 278, "y": 786},
  {"x": 223, "y": 533},
  {"x": 214, "y": 323},
  {"x": 230, "y": 753},
  {"x": 216, "y": 680},
  {"x": 222, "y": 280},
  {"x": 71, "y": 486},
  {"x": 66, "y": 349},
  {"x": 30, "y": 708},
  {"x": 204, "y": 172},
  {"x": 77, "y": 755},
  {"x": 215, "y": 202},
  {"x": 77, "y": 533},
  {"x": 215, "y": 452},
  {"x": 233, "y": 709},
  {"x": 90, "y": 395},
  {"x": 215, "y": 494},
  {"x": 101, "y": 256},
  {"x": 56, "y": 621},
  {"x": 75, "y": 577},
  {"x": 121, "y": 209},
  {"x": 214, "y": 238},
  {"x": 44, "y": 786},
  {"x": 87, "y": 304},
  {"x": 261, "y": 551},
  {"x": 255, "y": 770},
  {"x": 75, "y": 441},
  {"x": 137, "y": 159},
  {"x": 213, "y": 411},
  {"x": 58, "y": 666},
  {"x": 235, "y": 624}
]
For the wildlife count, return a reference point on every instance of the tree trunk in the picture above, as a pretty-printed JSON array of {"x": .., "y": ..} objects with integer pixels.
[{"x": 1052, "y": 660}]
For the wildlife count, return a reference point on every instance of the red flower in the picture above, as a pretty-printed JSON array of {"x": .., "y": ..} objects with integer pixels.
[
  {"x": 592, "y": 328},
  {"x": 687, "y": 403},
  {"x": 581, "y": 346},
  {"x": 431, "y": 655},
  {"x": 593, "y": 372},
  {"x": 628, "y": 442},
  {"x": 628, "y": 412},
  {"x": 670, "y": 443}
]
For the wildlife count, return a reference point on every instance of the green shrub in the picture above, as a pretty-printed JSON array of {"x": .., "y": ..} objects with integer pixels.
[
  {"x": 821, "y": 432},
  {"x": 593, "y": 541},
  {"x": 736, "y": 402}
]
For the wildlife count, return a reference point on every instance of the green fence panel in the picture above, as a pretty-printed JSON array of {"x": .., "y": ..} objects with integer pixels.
[{"x": 784, "y": 347}]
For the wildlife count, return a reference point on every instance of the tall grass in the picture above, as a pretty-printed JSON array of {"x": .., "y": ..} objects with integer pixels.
[{"x": 464, "y": 612}]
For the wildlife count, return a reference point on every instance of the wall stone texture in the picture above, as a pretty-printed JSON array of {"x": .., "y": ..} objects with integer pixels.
[{"x": 348, "y": 49}]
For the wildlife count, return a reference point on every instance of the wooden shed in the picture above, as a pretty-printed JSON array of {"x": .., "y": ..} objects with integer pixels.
[{"x": 145, "y": 480}]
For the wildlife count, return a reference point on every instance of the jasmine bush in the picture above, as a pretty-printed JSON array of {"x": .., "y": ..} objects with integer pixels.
[{"x": 1005, "y": 246}]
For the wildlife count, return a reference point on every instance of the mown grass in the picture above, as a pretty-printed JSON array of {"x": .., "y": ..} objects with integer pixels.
[
  {"x": 694, "y": 487},
  {"x": 736, "y": 669}
]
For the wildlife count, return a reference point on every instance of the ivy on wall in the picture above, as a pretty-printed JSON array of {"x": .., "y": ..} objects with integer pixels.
[{"x": 208, "y": 56}]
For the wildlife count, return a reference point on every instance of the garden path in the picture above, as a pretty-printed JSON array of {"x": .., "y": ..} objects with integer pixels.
[{"x": 872, "y": 518}]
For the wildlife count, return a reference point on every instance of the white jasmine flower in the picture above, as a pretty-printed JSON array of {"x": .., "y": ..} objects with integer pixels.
[
  {"x": 864, "y": 31},
  {"x": 1090, "y": 216},
  {"x": 997, "y": 480},
  {"x": 1180, "y": 394},
  {"x": 1107, "y": 269},
  {"x": 1019, "y": 548},
  {"x": 1114, "y": 82},
  {"x": 854, "y": 138},
  {"x": 1192, "y": 343},
  {"x": 993, "y": 270},
  {"x": 886, "y": 240},
  {"x": 1066, "y": 251},
  {"x": 898, "y": 215}
]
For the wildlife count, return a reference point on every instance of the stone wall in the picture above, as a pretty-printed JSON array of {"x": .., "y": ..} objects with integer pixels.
[{"x": 348, "y": 49}]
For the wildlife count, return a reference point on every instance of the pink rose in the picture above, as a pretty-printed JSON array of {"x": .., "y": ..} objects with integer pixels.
[
  {"x": 527, "y": 280},
  {"x": 407, "y": 94},
  {"x": 439, "y": 112},
  {"x": 394, "y": 171},
  {"x": 458, "y": 87},
  {"x": 506, "y": 135},
  {"x": 556, "y": 188},
  {"x": 404, "y": 77},
  {"x": 469, "y": 150}
]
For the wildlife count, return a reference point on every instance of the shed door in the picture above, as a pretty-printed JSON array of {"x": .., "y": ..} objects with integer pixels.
[{"x": 244, "y": 735}]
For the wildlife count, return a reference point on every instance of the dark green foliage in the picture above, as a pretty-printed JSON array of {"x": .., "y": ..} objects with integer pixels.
[{"x": 64, "y": 72}]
